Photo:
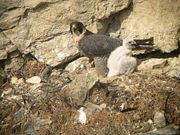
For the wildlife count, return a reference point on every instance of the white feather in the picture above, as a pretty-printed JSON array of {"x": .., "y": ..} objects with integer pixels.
[
  {"x": 120, "y": 60},
  {"x": 82, "y": 116}
]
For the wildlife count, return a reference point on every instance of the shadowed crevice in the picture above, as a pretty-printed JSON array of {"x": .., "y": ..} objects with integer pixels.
[{"x": 158, "y": 54}]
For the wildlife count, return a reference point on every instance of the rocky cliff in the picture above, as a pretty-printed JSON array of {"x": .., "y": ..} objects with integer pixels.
[
  {"x": 41, "y": 93},
  {"x": 41, "y": 27}
]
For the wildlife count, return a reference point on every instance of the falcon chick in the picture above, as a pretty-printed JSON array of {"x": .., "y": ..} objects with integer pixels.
[{"x": 120, "y": 60}]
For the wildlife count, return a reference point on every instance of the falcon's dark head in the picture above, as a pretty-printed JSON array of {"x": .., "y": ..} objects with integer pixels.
[{"x": 77, "y": 28}]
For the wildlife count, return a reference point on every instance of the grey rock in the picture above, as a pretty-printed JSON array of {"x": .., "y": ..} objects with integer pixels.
[
  {"x": 14, "y": 54},
  {"x": 11, "y": 48},
  {"x": 77, "y": 91},
  {"x": 41, "y": 122},
  {"x": 3, "y": 54},
  {"x": 153, "y": 64},
  {"x": 106, "y": 8},
  {"x": 14, "y": 64},
  {"x": 77, "y": 96},
  {"x": 169, "y": 66},
  {"x": 56, "y": 53},
  {"x": 14, "y": 80},
  {"x": 78, "y": 65},
  {"x": 31, "y": 131},
  {"x": 11, "y": 18},
  {"x": 20, "y": 115},
  {"x": 34, "y": 80},
  {"x": 164, "y": 131},
  {"x": 4, "y": 43},
  {"x": 5, "y": 46},
  {"x": 159, "y": 119},
  {"x": 92, "y": 108},
  {"x": 143, "y": 21},
  {"x": 1, "y": 76},
  {"x": 9, "y": 4},
  {"x": 37, "y": 3},
  {"x": 173, "y": 70},
  {"x": 89, "y": 109}
]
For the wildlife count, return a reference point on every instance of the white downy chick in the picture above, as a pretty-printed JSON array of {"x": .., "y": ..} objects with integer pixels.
[
  {"x": 82, "y": 116},
  {"x": 120, "y": 60}
]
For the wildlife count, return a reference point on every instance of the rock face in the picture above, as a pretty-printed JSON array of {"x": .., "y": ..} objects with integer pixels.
[
  {"x": 151, "y": 18},
  {"x": 170, "y": 66},
  {"x": 41, "y": 27},
  {"x": 174, "y": 68},
  {"x": 41, "y": 98}
]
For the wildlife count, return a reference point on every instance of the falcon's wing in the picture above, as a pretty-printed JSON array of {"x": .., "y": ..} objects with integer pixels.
[{"x": 97, "y": 45}]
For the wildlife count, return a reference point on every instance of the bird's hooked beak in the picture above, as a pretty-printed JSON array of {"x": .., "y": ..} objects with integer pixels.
[{"x": 133, "y": 44}]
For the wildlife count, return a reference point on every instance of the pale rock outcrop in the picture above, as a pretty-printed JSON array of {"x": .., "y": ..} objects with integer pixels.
[
  {"x": 146, "y": 18},
  {"x": 168, "y": 66},
  {"x": 78, "y": 90},
  {"x": 41, "y": 27}
]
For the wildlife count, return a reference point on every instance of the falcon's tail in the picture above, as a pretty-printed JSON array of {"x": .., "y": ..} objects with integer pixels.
[{"x": 101, "y": 66}]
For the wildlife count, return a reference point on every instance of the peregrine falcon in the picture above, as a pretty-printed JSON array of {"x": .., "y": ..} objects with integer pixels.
[
  {"x": 95, "y": 46},
  {"x": 120, "y": 60}
]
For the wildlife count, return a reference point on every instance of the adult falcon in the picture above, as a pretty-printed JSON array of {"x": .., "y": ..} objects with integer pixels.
[{"x": 95, "y": 46}]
